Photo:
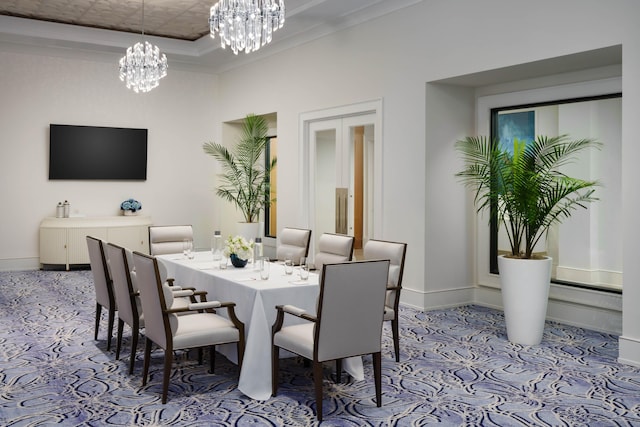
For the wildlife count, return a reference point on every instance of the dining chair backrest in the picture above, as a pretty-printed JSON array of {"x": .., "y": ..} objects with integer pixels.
[
  {"x": 152, "y": 296},
  {"x": 333, "y": 248},
  {"x": 350, "y": 309},
  {"x": 128, "y": 310},
  {"x": 100, "y": 272},
  {"x": 103, "y": 285},
  {"x": 293, "y": 243},
  {"x": 396, "y": 253},
  {"x": 393, "y": 251},
  {"x": 168, "y": 239}
]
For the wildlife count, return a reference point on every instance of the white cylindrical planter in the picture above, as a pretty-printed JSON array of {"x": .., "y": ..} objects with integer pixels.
[
  {"x": 249, "y": 230},
  {"x": 525, "y": 292}
]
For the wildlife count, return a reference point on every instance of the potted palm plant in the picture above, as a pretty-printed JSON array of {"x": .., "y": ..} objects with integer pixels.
[
  {"x": 523, "y": 185},
  {"x": 245, "y": 177}
]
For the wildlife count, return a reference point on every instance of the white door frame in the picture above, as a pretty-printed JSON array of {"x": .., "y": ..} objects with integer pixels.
[{"x": 307, "y": 157}]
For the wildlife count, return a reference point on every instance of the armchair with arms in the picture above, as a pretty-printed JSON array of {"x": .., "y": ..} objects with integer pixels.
[
  {"x": 172, "y": 332},
  {"x": 168, "y": 239},
  {"x": 395, "y": 252},
  {"x": 333, "y": 248},
  {"x": 348, "y": 322},
  {"x": 127, "y": 297},
  {"x": 293, "y": 243},
  {"x": 103, "y": 286}
]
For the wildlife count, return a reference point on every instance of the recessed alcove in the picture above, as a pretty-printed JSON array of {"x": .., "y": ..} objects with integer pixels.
[{"x": 452, "y": 106}]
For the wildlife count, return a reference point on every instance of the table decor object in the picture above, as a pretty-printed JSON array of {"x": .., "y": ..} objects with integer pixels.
[{"x": 238, "y": 249}]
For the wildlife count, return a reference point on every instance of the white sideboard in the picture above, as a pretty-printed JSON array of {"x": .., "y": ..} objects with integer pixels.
[{"x": 63, "y": 240}]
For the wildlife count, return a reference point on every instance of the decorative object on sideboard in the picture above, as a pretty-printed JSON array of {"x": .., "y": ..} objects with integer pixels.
[
  {"x": 238, "y": 249},
  {"x": 59, "y": 210},
  {"x": 130, "y": 207}
]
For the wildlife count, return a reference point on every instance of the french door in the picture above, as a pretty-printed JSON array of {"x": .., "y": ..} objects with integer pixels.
[{"x": 342, "y": 156}]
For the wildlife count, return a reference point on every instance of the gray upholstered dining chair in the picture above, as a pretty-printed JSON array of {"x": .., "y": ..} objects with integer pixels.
[
  {"x": 103, "y": 286},
  {"x": 348, "y": 322},
  {"x": 333, "y": 248},
  {"x": 172, "y": 332},
  {"x": 395, "y": 252},
  {"x": 293, "y": 243},
  {"x": 127, "y": 295},
  {"x": 168, "y": 239}
]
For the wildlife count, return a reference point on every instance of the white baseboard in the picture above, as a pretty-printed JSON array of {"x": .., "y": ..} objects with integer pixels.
[
  {"x": 432, "y": 300},
  {"x": 629, "y": 351},
  {"x": 589, "y": 309},
  {"x": 19, "y": 264},
  {"x": 605, "y": 278}
]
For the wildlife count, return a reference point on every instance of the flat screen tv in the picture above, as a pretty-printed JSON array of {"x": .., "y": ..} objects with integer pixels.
[{"x": 100, "y": 153}]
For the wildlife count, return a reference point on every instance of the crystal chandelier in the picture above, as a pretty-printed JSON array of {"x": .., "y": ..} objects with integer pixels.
[
  {"x": 142, "y": 66},
  {"x": 246, "y": 24}
]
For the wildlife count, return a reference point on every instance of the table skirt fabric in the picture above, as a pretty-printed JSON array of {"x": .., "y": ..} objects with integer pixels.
[{"x": 255, "y": 306}]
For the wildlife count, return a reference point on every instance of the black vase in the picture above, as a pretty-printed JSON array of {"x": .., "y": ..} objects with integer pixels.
[{"x": 237, "y": 262}]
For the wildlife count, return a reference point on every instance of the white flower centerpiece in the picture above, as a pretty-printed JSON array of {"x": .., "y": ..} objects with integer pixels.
[
  {"x": 130, "y": 207},
  {"x": 238, "y": 249}
]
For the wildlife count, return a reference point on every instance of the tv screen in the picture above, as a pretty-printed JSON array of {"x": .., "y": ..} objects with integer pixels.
[{"x": 89, "y": 152}]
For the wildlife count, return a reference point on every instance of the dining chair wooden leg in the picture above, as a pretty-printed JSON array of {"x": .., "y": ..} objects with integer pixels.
[
  {"x": 98, "y": 313},
  {"x": 112, "y": 316},
  {"x": 377, "y": 375},
  {"x": 240, "y": 351},
  {"x": 317, "y": 380},
  {"x": 134, "y": 345},
  {"x": 338, "y": 371},
  {"x": 168, "y": 360},
  {"x": 147, "y": 357},
  {"x": 396, "y": 338},
  {"x": 119, "y": 338},
  {"x": 275, "y": 368},
  {"x": 212, "y": 358}
]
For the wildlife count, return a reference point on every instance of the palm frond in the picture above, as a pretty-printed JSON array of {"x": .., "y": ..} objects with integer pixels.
[
  {"x": 525, "y": 184},
  {"x": 245, "y": 177}
]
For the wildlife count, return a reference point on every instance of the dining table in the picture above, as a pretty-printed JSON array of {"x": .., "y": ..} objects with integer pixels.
[{"x": 255, "y": 300}]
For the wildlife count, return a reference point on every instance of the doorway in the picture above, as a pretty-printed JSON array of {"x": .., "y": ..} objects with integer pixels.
[{"x": 342, "y": 184}]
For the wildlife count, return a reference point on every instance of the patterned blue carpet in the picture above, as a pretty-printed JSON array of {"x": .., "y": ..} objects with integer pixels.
[{"x": 456, "y": 369}]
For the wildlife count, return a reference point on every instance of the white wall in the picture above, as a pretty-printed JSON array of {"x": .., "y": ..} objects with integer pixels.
[
  {"x": 393, "y": 58},
  {"x": 39, "y": 90}
]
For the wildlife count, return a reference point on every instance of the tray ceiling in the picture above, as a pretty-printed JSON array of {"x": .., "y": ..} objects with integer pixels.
[
  {"x": 102, "y": 29},
  {"x": 179, "y": 19}
]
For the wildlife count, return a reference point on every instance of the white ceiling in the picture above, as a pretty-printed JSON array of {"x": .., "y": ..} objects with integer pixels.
[{"x": 103, "y": 29}]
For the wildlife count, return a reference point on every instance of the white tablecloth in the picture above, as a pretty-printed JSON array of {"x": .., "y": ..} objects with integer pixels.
[{"x": 255, "y": 306}]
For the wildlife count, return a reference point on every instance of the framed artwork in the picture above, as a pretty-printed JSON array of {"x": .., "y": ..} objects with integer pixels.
[{"x": 520, "y": 125}]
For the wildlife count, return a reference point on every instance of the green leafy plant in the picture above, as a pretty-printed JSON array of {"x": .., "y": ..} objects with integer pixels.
[
  {"x": 245, "y": 177},
  {"x": 524, "y": 186}
]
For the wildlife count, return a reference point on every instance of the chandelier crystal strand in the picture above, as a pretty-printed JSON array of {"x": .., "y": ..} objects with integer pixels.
[
  {"x": 246, "y": 24},
  {"x": 142, "y": 66}
]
